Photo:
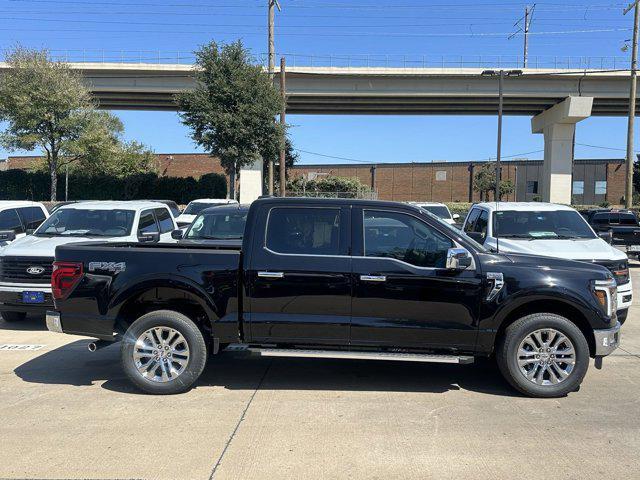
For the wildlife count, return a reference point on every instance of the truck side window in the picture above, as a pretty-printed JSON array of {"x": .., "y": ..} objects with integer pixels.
[
  {"x": 32, "y": 217},
  {"x": 471, "y": 221},
  {"x": 164, "y": 219},
  {"x": 404, "y": 237},
  {"x": 147, "y": 223},
  {"x": 481, "y": 224},
  {"x": 311, "y": 231},
  {"x": 9, "y": 220}
]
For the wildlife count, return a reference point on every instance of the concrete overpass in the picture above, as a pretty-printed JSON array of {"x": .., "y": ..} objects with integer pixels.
[{"x": 556, "y": 98}]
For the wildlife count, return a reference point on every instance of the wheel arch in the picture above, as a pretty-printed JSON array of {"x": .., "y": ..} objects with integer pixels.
[{"x": 548, "y": 305}]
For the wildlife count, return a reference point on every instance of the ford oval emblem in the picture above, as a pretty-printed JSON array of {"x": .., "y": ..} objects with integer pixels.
[{"x": 35, "y": 270}]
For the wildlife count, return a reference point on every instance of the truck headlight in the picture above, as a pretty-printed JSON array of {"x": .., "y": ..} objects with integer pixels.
[{"x": 606, "y": 293}]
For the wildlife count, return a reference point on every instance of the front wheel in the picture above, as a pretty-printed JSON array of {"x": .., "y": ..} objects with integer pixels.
[
  {"x": 163, "y": 353},
  {"x": 13, "y": 316},
  {"x": 543, "y": 355}
]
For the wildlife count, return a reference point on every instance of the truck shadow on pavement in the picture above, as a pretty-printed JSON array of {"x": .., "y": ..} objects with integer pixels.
[
  {"x": 31, "y": 323},
  {"x": 74, "y": 365}
]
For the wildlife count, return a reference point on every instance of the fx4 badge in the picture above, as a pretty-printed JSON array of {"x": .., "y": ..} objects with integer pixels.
[{"x": 113, "y": 267}]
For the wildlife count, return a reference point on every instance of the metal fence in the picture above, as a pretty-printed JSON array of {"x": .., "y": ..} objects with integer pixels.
[{"x": 357, "y": 61}]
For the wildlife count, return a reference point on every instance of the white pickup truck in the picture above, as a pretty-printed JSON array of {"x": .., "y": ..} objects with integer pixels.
[
  {"x": 549, "y": 230},
  {"x": 26, "y": 264},
  {"x": 196, "y": 206}
]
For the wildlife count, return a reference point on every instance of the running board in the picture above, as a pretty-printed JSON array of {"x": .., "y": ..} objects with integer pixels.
[{"x": 355, "y": 355}]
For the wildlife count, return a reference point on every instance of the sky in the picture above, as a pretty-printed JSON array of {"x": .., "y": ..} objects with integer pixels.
[{"x": 449, "y": 30}]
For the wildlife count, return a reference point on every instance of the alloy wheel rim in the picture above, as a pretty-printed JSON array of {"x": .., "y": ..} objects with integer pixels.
[
  {"x": 161, "y": 354},
  {"x": 546, "y": 357}
]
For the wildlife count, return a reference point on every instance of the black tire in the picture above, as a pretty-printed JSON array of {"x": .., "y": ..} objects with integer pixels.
[
  {"x": 13, "y": 316},
  {"x": 507, "y": 355},
  {"x": 622, "y": 315},
  {"x": 197, "y": 356}
]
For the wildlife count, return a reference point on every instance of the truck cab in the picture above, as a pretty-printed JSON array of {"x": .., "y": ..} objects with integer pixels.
[{"x": 19, "y": 218}]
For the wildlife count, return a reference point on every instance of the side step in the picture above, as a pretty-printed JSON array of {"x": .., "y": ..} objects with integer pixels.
[{"x": 354, "y": 355}]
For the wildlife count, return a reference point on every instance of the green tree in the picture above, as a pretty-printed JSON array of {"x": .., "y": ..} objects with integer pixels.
[
  {"x": 47, "y": 106},
  {"x": 232, "y": 108},
  {"x": 484, "y": 182},
  {"x": 328, "y": 186}
]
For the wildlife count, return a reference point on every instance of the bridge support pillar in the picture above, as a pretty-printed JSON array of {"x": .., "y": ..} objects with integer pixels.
[{"x": 558, "y": 124}]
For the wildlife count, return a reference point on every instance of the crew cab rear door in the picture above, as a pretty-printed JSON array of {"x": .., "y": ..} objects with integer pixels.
[
  {"x": 298, "y": 283},
  {"x": 403, "y": 295}
]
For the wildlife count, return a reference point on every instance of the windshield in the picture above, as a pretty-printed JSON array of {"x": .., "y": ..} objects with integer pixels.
[
  {"x": 218, "y": 226},
  {"x": 558, "y": 224},
  {"x": 194, "y": 208},
  {"x": 75, "y": 222},
  {"x": 438, "y": 210}
]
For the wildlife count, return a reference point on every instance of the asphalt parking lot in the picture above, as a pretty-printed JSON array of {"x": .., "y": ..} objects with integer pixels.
[{"x": 68, "y": 413}]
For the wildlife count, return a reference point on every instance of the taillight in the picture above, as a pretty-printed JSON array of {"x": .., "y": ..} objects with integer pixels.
[{"x": 66, "y": 275}]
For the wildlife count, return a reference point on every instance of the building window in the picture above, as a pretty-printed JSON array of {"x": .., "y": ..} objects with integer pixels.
[
  {"x": 532, "y": 186},
  {"x": 601, "y": 187},
  {"x": 578, "y": 187},
  {"x": 441, "y": 176}
]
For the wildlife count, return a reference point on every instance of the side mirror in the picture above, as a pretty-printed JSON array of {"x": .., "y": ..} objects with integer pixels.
[
  {"x": 151, "y": 237},
  {"x": 458, "y": 259},
  {"x": 477, "y": 236},
  {"x": 177, "y": 234},
  {"x": 455, "y": 216},
  {"x": 606, "y": 236},
  {"x": 7, "y": 236}
]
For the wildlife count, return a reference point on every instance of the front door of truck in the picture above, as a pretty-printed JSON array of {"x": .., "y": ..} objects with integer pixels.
[
  {"x": 299, "y": 277},
  {"x": 403, "y": 295}
]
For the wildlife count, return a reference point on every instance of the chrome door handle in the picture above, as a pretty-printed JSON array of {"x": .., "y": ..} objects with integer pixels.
[
  {"x": 271, "y": 274},
  {"x": 373, "y": 278}
]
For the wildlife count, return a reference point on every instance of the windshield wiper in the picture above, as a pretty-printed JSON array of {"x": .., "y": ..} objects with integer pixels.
[{"x": 515, "y": 235}]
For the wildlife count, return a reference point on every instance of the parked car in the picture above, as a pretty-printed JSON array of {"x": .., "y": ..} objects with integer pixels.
[
  {"x": 18, "y": 218},
  {"x": 439, "y": 210},
  {"x": 338, "y": 278},
  {"x": 548, "y": 230},
  {"x": 26, "y": 264},
  {"x": 196, "y": 206},
  {"x": 620, "y": 226},
  {"x": 216, "y": 226}
]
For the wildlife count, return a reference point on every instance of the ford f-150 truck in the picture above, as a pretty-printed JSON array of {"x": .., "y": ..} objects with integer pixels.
[{"x": 339, "y": 279}]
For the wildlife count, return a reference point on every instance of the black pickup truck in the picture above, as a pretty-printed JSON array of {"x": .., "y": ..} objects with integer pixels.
[
  {"x": 618, "y": 227},
  {"x": 337, "y": 279}
]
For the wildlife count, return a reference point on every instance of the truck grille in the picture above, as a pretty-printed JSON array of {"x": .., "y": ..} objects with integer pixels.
[{"x": 26, "y": 269}]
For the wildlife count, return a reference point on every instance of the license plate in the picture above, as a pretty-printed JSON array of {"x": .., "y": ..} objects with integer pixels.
[
  {"x": 32, "y": 297},
  {"x": 634, "y": 248}
]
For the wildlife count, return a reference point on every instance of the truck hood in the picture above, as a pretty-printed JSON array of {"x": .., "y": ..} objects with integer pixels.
[
  {"x": 32, "y": 246},
  {"x": 593, "y": 249}
]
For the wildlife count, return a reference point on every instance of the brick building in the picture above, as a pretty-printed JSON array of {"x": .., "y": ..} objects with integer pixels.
[{"x": 594, "y": 181}]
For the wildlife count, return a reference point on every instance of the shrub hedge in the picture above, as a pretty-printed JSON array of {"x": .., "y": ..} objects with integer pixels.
[{"x": 23, "y": 185}]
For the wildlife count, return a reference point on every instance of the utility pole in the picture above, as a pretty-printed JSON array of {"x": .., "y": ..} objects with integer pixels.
[
  {"x": 283, "y": 123},
  {"x": 628, "y": 191},
  {"x": 272, "y": 67},
  {"x": 499, "y": 146},
  {"x": 526, "y": 25}
]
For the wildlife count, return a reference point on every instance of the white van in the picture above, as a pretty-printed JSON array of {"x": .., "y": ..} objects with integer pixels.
[{"x": 549, "y": 230}]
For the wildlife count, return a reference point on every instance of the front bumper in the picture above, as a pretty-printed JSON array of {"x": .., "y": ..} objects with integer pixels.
[
  {"x": 625, "y": 296},
  {"x": 607, "y": 340},
  {"x": 11, "y": 298}
]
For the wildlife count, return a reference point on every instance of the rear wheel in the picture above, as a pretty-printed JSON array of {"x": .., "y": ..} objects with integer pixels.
[
  {"x": 13, "y": 316},
  {"x": 163, "y": 353},
  {"x": 543, "y": 355}
]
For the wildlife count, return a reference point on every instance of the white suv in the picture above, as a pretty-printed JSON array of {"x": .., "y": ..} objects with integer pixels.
[
  {"x": 26, "y": 264},
  {"x": 549, "y": 230},
  {"x": 19, "y": 218}
]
